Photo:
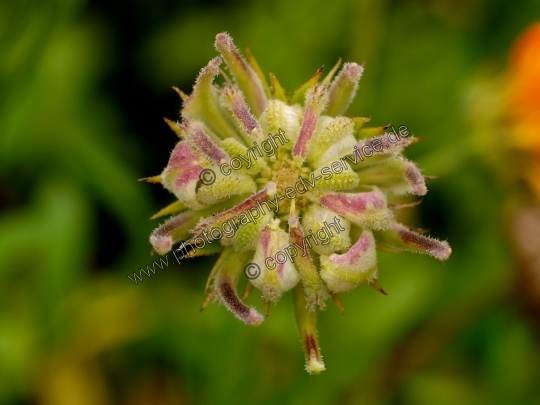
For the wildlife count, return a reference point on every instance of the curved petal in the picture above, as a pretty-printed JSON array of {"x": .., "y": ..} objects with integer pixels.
[
  {"x": 278, "y": 273},
  {"x": 367, "y": 210},
  {"x": 399, "y": 238},
  {"x": 203, "y": 104},
  {"x": 355, "y": 267},
  {"x": 173, "y": 230},
  {"x": 245, "y": 76},
  {"x": 227, "y": 271},
  {"x": 182, "y": 174},
  {"x": 396, "y": 175},
  {"x": 199, "y": 139}
]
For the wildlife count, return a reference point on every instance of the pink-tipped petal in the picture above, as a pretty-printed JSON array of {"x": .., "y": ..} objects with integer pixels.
[
  {"x": 204, "y": 105},
  {"x": 182, "y": 174},
  {"x": 355, "y": 267},
  {"x": 199, "y": 139},
  {"x": 173, "y": 230},
  {"x": 245, "y": 76},
  {"x": 367, "y": 210},
  {"x": 306, "y": 322},
  {"x": 400, "y": 238},
  {"x": 316, "y": 99},
  {"x": 395, "y": 175},
  {"x": 227, "y": 270},
  {"x": 233, "y": 214},
  {"x": 276, "y": 276},
  {"x": 415, "y": 179},
  {"x": 234, "y": 100},
  {"x": 230, "y": 299},
  {"x": 344, "y": 88}
]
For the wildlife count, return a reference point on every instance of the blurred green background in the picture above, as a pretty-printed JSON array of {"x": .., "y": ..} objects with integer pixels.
[{"x": 83, "y": 89}]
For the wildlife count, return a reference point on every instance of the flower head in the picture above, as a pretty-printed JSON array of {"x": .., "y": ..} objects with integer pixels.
[{"x": 290, "y": 192}]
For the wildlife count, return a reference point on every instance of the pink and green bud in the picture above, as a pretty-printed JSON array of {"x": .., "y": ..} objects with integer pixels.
[
  {"x": 343, "y": 89},
  {"x": 316, "y": 99},
  {"x": 234, "y": 100},
  {"x": 228, "y": 270},
  {"x": 399, "y": 238},
  {"x": 355, "y": 267},
  {"x": 246, "y": 78},
  {"x": 199, "y": 139},
  {"x": 367, "y": 210},
  {"x": 204, "y": 105},
  {"x": 306, "y": 321},
  {"x": 172, "y": 231},
  {"x": 330, "y": 229},
  {"x": 396, "y": 175},
  {"x": 182, "y": 174},
  {"x": 332, "y": 137},
  {"x": 276, "y": 260},
  {"x": 239, "y": 213}
]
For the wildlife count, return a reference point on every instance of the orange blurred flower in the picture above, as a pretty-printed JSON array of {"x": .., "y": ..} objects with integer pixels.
[{"x": 524, "y": 97}]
